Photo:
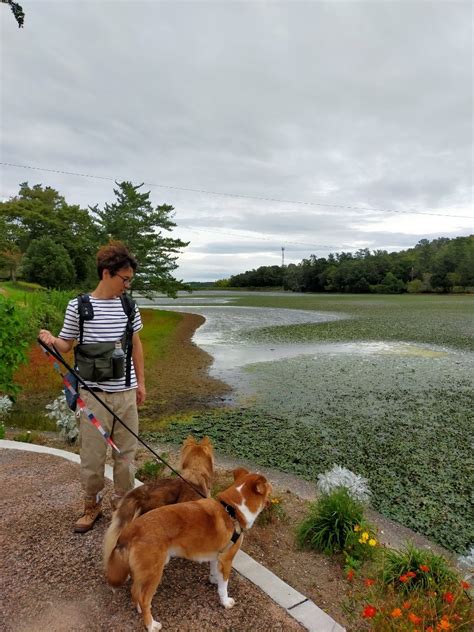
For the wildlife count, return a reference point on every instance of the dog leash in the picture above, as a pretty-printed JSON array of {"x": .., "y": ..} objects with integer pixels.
[
  {"x": 54, "y": 353},
  {"x": 82, "y": 405}
]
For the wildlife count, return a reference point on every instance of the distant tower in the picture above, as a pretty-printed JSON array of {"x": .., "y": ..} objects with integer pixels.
[{"x": 282, "y": 257}]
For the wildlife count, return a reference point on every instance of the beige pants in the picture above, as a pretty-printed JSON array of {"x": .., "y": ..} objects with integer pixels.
[{"x": 94, "y": 448}]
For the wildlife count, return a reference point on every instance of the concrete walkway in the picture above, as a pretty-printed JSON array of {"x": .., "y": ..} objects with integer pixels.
[{"x": 302, "y": 609}]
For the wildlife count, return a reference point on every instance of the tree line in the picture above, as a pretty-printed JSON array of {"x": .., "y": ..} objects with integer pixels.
[
  {"x": 45, "y": 240},
  {"x": 440, "y": 265}
]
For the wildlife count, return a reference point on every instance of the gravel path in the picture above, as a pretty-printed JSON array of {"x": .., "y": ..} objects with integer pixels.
[{"x": 51, "y": 578}]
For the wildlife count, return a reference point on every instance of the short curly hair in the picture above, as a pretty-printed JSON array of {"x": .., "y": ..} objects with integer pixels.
[{"x": 113, "y": 257}]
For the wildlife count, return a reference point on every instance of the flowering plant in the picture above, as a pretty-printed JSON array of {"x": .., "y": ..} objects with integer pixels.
[
  {"x": 273, "y": 511},
  {"x": 361, "y": 542},
  {"x": 64, "y": 417},
  {"x": 426, "y": 595},
  {"x": 357, "y": 486},
  {"x": 387, "y": 610},
  {"x": 412, "y": 568},
  {"x": 5, "y": 405}
]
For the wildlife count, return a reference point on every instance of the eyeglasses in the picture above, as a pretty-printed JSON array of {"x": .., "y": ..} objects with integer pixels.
[{"x": 126, "y": 280}]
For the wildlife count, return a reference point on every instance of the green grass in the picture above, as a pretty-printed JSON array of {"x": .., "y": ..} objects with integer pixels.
[
  {"x": 330, "y": 521},
  {"x": 17, "y": 290}
]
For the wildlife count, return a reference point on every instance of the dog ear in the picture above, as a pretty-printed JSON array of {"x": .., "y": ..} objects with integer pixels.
[
  {"x": 261, "y": 485},
  {"x": 239, "y": 473},
  {"x": 190, "y": 441},
  {"x": 205, "y": 441}
]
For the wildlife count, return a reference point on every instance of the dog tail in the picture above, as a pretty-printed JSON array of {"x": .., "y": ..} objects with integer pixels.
[
  {"x": 117, "y": 567},
  {"x": 128, "y": 510},
  {"x": 111, "y": 537}
]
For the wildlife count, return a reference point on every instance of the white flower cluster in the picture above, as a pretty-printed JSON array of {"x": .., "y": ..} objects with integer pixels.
[
  {"x": 5, "y": 405},
  {"x": 338, "y": 476},
  {"x": 64, "y": 417}
]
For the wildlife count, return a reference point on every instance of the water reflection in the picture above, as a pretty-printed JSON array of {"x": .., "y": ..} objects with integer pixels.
[{"x": 221, "y": 337}]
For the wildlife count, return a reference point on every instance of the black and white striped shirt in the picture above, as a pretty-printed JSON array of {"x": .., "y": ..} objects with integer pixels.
[{"x": 108, "y": 325}]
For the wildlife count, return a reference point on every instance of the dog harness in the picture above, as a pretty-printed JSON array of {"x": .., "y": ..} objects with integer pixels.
[{"x": 238, "y": 529}]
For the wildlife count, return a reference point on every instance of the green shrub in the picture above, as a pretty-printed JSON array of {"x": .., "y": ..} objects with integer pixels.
[
  {"x": 45, "y": 310},
  {"x": 330, "y": 521},
  {"x": 2, "y": 430},
  {"x": 412, "y": 568},
  {"x": 14, "y": 333},
  {"x": 151, "y": 470}
]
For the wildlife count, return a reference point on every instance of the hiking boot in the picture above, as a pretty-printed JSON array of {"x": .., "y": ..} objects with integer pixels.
[
  {"x": 92, "y": 511},
  {"x": 115, "y": 500}
]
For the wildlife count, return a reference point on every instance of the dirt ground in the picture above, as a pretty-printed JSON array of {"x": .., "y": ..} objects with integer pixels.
[{"x": 51, "y": 579}]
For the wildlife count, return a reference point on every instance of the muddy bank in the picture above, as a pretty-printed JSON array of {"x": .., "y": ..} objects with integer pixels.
[{"x": 180, "y": 382}]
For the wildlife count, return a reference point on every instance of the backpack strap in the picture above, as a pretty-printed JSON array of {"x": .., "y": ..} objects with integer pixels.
[
  {"x": 85, "y": 311},
  {"x": 128, "y": 305}
]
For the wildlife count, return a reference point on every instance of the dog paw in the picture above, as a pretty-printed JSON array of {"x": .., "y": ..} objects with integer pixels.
[
  {"x": 228, "y": 603},
  {"x": 155, "y": 626}
]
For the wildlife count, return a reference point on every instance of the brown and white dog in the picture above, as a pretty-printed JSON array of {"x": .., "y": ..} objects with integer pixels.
[
  {"x": 204, "y": 530},
  {"x": 197, "y": 467}
]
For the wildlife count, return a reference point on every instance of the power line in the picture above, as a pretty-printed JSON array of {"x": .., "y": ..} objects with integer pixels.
[
  {"x": 253, "y": 237},
  {"x": 235, "y": 195}
]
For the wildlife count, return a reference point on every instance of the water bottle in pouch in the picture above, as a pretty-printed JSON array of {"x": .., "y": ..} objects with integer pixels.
[{"x": 118, "y": 361}]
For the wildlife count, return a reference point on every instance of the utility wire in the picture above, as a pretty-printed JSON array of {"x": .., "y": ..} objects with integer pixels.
[
  {"x": 235, "y": 195},
  {"x": 252, "y": 237}
]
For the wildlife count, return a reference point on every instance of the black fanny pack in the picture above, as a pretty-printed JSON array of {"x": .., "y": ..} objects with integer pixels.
[{"x": 94, "y": 362}]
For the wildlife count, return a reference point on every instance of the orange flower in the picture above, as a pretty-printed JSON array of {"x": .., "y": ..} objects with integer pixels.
[
  {"x": 396, "y": 612},
  {"x": 403, "y": 578},
  {"x": 369, "y": 582},
  {"x": 369, "y": 612},
  {"x": 443, "y": 625},
  {"x": 429, "y": 629},
  {"x": 414, "y": 618},
  {"x": 411, "y": 574},
  {"x": 406, "y": 605},
  {"x": 424, "y": 568},
  {"x": 448, "y": 597},
  {"x": 465, "y": 585},
  {"x": 350, "y": 575}
]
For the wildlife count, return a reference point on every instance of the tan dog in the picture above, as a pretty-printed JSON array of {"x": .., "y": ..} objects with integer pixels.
[
  {"x": 205, "y": 530},
  {"x": 197, "y": 467}
]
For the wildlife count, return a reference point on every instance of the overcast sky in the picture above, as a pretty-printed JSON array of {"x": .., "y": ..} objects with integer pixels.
[{"x": 342, "y": 125}]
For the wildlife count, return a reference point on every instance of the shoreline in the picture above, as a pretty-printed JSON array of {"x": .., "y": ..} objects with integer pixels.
[{"x": 179, "y": 382}]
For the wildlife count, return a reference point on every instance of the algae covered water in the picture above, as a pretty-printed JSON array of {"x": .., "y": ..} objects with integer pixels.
[{"x": 398, "y": 411}]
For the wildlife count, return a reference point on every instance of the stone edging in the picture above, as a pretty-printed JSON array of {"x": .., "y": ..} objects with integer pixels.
[{"x": 305, "y": 611}]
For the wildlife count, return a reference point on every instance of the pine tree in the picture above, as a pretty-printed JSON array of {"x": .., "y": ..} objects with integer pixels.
[{"x": 133, "y": 220}]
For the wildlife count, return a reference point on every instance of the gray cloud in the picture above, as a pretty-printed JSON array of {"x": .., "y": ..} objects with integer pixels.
[{"x": 360, "y": 104}]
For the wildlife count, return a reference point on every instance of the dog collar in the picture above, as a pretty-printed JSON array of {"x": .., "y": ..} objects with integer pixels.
[{"x": 237, "y": 526}]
